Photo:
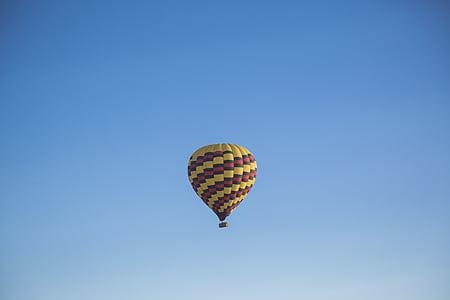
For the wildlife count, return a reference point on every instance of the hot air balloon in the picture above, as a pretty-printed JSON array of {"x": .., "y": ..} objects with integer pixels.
[{"x": 222, "y": 175}]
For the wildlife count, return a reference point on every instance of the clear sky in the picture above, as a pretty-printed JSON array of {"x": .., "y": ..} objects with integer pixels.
[{"x": 345, "y": 105}]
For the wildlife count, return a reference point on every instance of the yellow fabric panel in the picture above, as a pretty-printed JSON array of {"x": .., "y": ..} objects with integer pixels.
[
  {"x": 228, "y": 156},
  {"x": 228, "y": 174},
  {"x": 218, "y": 178},
  {"x": 243, "y": 150},
  {"x": 236, "y": 150},
  {"x": 208, "y": 164},
  {"x": 226, "y": 147}
]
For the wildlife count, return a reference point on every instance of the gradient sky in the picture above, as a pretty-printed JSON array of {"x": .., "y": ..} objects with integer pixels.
[{"x": 345, "y": 105}]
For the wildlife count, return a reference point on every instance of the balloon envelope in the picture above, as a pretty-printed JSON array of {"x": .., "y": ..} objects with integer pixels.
[{"x": 222, "y": 175}]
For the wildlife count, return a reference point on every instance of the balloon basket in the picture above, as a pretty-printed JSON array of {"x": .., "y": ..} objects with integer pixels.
[{"x": 223, "y": 224}]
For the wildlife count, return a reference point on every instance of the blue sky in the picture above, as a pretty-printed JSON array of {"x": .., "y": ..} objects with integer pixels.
[{"x": 345, "y": 106}]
